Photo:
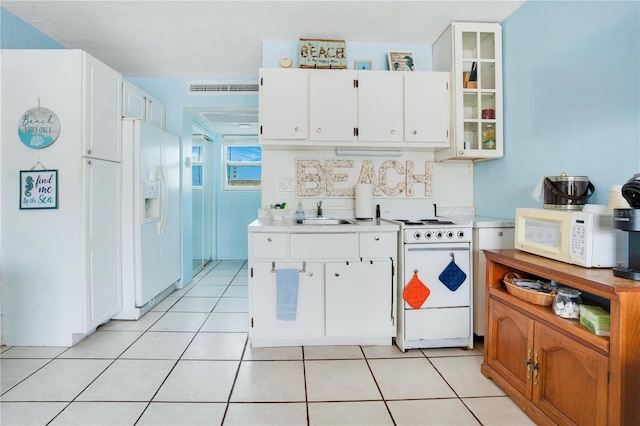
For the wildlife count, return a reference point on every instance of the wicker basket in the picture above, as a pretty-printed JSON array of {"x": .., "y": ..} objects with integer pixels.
[{"x": 531, "y": 296}]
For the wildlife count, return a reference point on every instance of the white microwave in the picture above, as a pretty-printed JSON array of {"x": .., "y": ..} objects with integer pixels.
[{"x": 584, "y": 238}]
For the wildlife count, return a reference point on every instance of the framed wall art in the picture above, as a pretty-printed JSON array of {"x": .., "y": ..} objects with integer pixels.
[
  {"x": 361, "y": 64},
  {"x": 38, "y": 189},
  {"x": 321, "y": 53},
  {"x": 401, "y": 61}
]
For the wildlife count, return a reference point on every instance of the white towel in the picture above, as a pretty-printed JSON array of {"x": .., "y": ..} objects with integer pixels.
[{"x": 287, "y": 293}]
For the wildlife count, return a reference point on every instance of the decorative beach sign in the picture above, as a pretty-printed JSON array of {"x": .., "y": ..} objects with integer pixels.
[
  {"x": 38, "y": 189},
  {"x": 38, "y": 127},
  {"x": 319, "y": 53}
]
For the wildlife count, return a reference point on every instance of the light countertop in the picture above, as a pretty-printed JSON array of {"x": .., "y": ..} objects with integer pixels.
[
  {"x": 484, "y": 221},
  {"x": 290, "y": 225}
]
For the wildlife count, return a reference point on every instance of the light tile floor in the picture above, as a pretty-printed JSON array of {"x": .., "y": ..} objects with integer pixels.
[{"x": 187, "y": 362}]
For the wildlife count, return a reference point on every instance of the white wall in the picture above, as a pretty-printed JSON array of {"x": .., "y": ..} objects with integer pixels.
[{"x": 452, "y": 183}]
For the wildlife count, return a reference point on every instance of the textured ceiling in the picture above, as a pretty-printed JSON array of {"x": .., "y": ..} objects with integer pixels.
[{"x": 224, "y": 38}]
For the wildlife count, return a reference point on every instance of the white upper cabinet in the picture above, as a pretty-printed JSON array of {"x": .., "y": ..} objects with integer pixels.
[
  {"x": 284, "y": 104},
  {"x": 138, "y": 104},
  {"x": 380, "y": 106},
  {"x": 101, "y": 110},
  {"x": 346, "y": 108},
  {"x": 332, "y": 106},
  {"x": 472, "y": 52},
  {"x": 427, "y": 108}
]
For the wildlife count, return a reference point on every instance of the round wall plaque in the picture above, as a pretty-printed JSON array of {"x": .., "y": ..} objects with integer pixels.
[{"x": 38, "y": 128}]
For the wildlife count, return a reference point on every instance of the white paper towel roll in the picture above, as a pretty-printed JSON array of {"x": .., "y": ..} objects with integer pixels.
[
  {"x": 364, "y": 201},
  {"x": 616, "y": 200}
]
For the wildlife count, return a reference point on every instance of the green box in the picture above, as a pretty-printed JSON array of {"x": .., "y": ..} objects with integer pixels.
[{"x": 596, "y": 319}]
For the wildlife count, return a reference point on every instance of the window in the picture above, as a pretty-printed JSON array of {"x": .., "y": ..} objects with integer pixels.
[
  {"x": 197, "y": 160},
  {"x": 243, "y": 166}
]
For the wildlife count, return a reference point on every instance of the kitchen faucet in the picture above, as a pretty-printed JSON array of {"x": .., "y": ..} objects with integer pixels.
[{"x": 319, "y": 208}]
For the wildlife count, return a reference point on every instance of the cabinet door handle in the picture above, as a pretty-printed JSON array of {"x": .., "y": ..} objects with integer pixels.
[
  {"x": 319, "y": 130},
  {"x": 297, "y": 129},
  {"x": 393, "y": 132},
  {"x": 88, "y": 151},
  {"x": 337, "y": 274},
  {"x": 377, "y": 238},
  {"x": 414, "y": 132},
  {"x": 527, "y": 363},
  {"x": 460, "y": 152},
  {"x": 500, "y": 234},
  {"x": 269, "y": 239},
  {"x": 535, "y": 367},
  {"x": 89, "y": 162},
  {"x": 310, "y": 274}
]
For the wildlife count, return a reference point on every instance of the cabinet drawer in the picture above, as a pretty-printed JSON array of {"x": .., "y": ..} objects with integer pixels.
[
  {"x": 378, "y": 244},
  {"x": 270, "y": 246},
  {"x": 324, "y": 246},
  {"x": 445, "y": 323},
  {"x": 495, "y": 238}
]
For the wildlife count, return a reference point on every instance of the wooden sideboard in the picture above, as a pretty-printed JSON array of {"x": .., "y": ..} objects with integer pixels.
[{"x": 555, "y": 369}]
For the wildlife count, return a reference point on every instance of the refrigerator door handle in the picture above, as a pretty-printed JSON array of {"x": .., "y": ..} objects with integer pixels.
[{"x": 165, "y": 201}]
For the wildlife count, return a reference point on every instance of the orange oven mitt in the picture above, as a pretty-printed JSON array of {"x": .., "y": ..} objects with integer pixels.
[{"x": 415, "y": 293}]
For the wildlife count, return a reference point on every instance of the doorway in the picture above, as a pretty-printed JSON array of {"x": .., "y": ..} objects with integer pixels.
[{"x": 201, "y": 189}]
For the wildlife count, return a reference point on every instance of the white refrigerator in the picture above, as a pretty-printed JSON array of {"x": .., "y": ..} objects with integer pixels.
[{"x": 151, "y": 252}]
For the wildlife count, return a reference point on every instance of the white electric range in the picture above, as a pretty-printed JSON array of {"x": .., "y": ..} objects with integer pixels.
[{"x": 435, "y": 285}]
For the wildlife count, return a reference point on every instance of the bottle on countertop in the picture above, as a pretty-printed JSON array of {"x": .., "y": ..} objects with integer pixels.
[{"x": 299, "y": 212}]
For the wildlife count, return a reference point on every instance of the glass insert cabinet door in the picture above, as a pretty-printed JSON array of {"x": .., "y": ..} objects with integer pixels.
[{"x": 481, "y": 101}]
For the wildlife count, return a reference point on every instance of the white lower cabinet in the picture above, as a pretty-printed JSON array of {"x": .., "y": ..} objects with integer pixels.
[
  {"x": 358, "y": 297},
  {"x": 309, "y": 320},
  {"x": 346, "y": 288},
  {"x": 485, "y": 239}
]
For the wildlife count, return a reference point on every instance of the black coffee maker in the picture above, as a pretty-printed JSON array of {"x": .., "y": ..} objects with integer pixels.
[{"x": 629, "y": 220}]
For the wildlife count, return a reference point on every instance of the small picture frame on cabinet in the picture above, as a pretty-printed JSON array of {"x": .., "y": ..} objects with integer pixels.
[
  {"x": 401, "y": 61},
  {"x": 361, "y": 64}
]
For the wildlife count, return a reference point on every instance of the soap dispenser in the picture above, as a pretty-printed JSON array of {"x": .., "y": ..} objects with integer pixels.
[{"x": 299, "y": 213}]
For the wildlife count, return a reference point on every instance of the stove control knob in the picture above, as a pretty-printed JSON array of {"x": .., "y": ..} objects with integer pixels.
[
  {"x": 428, "y": 235},
  {"x": 460, "y": 234},
  {"x": 417, "y": 235},
  {"x": 439, "y": 234},
  {"x": 449, "y": 234}
]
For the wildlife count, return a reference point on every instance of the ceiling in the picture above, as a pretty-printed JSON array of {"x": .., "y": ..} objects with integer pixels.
[{"x": 210, "y": 38}]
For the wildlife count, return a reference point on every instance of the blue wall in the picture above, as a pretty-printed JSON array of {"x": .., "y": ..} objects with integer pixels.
[
  {"x": 17, "y": 34},
  {"x": 571, "y": 101}
]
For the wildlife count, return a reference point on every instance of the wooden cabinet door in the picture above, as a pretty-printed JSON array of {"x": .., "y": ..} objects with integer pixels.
[
  {"x": 359, "y": 299},
  {"x": 284, "y": 106},
  {"x": 380, "y": 106},
  {"x": 570, "y": 383},
  {"x": 510, "y": 345},
  {"x": 332, "y": 106},
  {"x": 264, "y": 302},
  {"x": 426, "y": 108}
]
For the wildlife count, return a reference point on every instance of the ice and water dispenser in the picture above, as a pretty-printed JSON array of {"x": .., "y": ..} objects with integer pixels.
[{"x": 150, "y": 193}]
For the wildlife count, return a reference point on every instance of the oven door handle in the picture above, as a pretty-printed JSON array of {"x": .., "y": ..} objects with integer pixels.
[{"x": 438, "y": 249}]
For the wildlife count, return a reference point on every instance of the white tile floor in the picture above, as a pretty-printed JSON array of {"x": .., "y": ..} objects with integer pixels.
[{"x": 187, "y": 362}]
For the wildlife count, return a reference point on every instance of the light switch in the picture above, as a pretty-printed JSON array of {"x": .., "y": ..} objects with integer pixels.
[{"x": 286, "y": 184}]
